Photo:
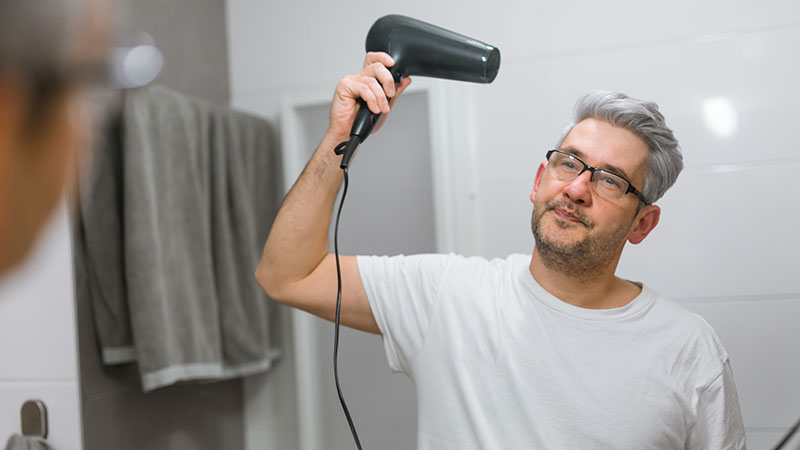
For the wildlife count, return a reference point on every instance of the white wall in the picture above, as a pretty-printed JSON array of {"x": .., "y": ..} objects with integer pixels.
[
  {"x": 727, "y": 245},
  {"x": 38, "y": 349}
]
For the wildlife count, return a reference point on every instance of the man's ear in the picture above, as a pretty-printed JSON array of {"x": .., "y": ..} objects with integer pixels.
[
  {"x": 537, "y": 180},
  {"x": 647, "y": 219}
]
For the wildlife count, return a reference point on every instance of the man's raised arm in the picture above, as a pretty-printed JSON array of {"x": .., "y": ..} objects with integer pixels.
[{"x": 296, "y": 268}]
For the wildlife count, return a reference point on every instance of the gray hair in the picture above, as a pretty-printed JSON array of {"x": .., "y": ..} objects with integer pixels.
[
  {"x": 35, "y": 35},
  {"x": 643, "y": 119},
  {"x": 37, "y": 41}
]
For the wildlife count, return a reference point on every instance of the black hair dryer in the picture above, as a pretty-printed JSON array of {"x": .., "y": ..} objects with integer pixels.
[{"x": 419, "y": 48}]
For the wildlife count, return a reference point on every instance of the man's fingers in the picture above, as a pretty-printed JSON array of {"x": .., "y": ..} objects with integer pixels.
[
  {"x": 371, "y": 91},
  {"x": 403, "y": 85},
  {"x": 380, "y": 94},
  {"x": 372, "y": 102},
  {"x": 400, "y": 88},
  {"x": 373, "y": 85},
  {"x": 378, "y": 57},
  {"x": 382, "y": 74},
  {"x": 375, "y": 65}
]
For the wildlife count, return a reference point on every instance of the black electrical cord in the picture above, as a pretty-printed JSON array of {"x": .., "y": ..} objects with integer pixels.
[
  {"x": 788, "y": 436},
  {"x": 340, "y": 149}
]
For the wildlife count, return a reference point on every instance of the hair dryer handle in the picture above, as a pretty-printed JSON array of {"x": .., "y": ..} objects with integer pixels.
[
  {"x": 362, "y": 126},
  {"x": 365, "y": 119},
  {"x": 364, "y": 122}
]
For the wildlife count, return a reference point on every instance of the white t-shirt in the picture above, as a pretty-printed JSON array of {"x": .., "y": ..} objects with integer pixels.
[{"x": 501, "y": 364}]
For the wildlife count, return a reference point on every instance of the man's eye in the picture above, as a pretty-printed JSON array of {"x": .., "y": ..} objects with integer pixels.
[
  {"x": 569, "y": 165},
  {"x": 611, "y": 182}
]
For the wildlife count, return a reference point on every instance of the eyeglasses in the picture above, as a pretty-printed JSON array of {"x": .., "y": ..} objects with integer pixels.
[{"x": 607, "y": 184}]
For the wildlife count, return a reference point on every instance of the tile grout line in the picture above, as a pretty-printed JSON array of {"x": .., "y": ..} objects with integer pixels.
[
  {"x": 54, "y": 381},
  {"x": 739, "y": 298}
]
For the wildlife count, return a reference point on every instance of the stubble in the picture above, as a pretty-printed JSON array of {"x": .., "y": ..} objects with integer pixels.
[{"x": 584, "y": 258}]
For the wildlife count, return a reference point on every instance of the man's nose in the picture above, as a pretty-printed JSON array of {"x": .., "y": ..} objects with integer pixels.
[{"x": 579, "y": 190}]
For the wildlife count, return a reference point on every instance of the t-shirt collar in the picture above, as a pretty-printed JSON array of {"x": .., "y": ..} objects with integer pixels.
[{"x": 638, "y": 304}]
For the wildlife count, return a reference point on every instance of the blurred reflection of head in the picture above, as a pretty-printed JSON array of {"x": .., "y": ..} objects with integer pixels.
[{"x": 51, "y": 52}]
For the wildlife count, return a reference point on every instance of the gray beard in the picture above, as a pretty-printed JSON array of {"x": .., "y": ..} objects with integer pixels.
[{"x": 584, "y": 259}]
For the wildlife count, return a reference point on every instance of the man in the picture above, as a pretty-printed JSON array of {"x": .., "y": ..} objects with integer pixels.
[
  {"x": 547, "y": 351},
  {"x": 50, "y": 50}
]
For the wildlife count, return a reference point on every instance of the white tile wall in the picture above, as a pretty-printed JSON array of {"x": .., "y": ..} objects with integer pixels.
[
  {"x": 723, "y": 234},
  {"x": 766, "y": 439},
  {"x": 504, "y": 222},
  {"x": 751, "y": 70},
  {"x": 761, "y": 337},
  {"x": 262, "y": 52},
  {"x": 727, "y": 245},
  {"x": 38, "y": 338},
  {"x": 512, "y": 134},
  {"x": 37, "y": 312},
  {"x": 289, "y": 44},
  {"x": 585, "y": 25},
  {"x": 63, "y": 410}
]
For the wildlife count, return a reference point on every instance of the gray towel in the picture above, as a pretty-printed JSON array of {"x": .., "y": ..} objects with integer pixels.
[
  {"x": 172, "y": 222},
  {"x": 99, "y": 247},
  {"x": 17, "y": 442}
]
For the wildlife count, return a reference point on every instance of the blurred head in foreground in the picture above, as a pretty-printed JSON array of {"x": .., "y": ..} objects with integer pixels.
[{"x": 51, "y": 53}]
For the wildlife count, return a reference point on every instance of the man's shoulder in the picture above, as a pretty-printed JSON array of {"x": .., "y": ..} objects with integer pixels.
[
  {"x": 688, "y": 332},
  {"x": 677, "y": 314},
  {"x": 447, "y": 271},
  {"x": 450, "y": 259}
]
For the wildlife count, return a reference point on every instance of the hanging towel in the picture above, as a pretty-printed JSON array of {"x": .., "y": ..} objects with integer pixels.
[{"x": 172, "y": 221}]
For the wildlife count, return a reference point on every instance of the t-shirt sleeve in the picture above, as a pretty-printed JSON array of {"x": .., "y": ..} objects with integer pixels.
[
  {"x": 403, "y": 292},
  {"x": 718, "y": 422}
]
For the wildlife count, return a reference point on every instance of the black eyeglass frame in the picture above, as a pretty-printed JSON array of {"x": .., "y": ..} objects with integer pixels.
[{"x": 593, "y": 170}]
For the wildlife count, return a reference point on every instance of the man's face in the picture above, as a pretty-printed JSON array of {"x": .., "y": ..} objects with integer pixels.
[
  {"x": 38, "y": 153},
  {"x": 577, "y": 231}
]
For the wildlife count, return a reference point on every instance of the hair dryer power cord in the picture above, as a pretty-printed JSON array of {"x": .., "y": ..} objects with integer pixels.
[{"x": 339, "y": 149}]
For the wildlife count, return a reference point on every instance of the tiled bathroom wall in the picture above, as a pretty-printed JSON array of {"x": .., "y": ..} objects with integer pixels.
[{"x": 37, "y": 338}]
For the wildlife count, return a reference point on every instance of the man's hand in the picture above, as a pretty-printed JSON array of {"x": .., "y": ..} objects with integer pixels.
[{"x": 373, "y": 84}]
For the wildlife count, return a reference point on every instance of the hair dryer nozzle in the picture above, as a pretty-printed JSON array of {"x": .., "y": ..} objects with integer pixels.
[{"x": 419, "y": 48}]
